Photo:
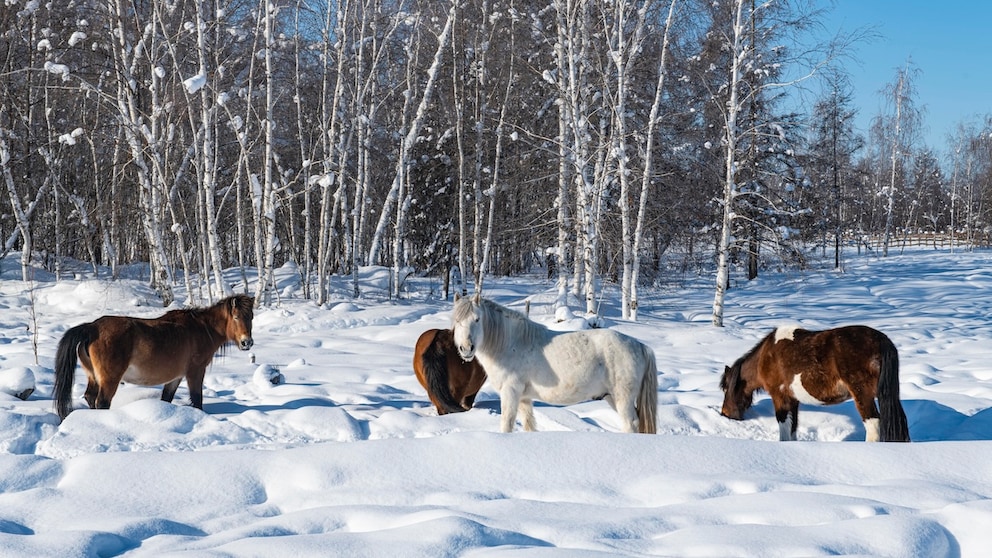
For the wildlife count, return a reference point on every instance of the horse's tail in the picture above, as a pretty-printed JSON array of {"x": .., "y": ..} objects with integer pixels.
[
  {"x": 647, "y": 398},
  {"x": 435, "y": 363},
  {"x": 65, "y": 365},
  {"x": 893, "y": 420}
]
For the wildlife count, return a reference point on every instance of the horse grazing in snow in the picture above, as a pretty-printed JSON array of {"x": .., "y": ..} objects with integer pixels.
[{"x": 825, "y": 367}]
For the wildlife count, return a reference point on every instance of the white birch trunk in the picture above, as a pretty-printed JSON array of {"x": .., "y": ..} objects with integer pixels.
[
  {"x": 894, "y": 159},
  {"x": 208, "y": 176},
  {"x": 144, "y": 140},
  {"x": 565, "y": 167},
  {"x": 458, "y": 95},
  {"x": 648, "y": 166},
  {"x": 268, "y": 195},
  {"x": 332, "y": 153},
  {"x": 21, "y": 216},
  {"x": 623, "y": 55},
  {"x": 738, "y": 55},
  {"x": 411, "y": 137}
]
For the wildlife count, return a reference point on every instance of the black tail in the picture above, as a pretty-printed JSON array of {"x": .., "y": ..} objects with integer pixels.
[
  {"x": 435, "y": 362},
  {"x": 65, "y": 366},
  {"x": 893, "y": 427}
]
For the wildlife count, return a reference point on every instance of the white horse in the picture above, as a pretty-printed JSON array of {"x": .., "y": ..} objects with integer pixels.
[{"x": 527, "y": 361}]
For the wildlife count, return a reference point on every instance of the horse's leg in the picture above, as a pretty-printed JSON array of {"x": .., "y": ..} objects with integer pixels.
[
  {"x": 169, "y": 390},
  {"x": 865, "y": 403},
  {"x": 194, "y": 381},
  {"x": 509, "y": 402},
  {"x": 527, "y": 415},
  {"x": 477, "y": 377},
  {"x": 90, "y": 394},
  {"x": 626, "y": 406},
  {"x": 105, "y": 394},
  {"x": 92, "y": 386},
  {"x": 787, "y": 415},
  {"x": 103, "y": 382}
]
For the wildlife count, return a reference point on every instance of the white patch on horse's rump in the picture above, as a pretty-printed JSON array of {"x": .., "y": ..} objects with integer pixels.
[
  {"x": 785, "y": 333},
  {"x": 871, "y": 430}
]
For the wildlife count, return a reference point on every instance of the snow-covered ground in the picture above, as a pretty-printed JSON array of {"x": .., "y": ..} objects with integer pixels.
[{"x": 346, "y": 457}]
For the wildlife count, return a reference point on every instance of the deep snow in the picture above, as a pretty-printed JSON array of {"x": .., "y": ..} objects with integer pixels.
[{"x": 346, "y": 457}]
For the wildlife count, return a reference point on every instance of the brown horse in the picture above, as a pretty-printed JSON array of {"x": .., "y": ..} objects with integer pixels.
[
  {"x": 826, "y": 367},
  {"x": 451, "y": 383},
  {"x": 149, "y": 352}
]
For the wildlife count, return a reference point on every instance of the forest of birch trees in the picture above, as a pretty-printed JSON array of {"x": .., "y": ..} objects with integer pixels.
[{"x": 595, "y": 141}]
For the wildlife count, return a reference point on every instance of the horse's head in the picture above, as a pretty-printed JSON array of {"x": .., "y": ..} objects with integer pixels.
[
  {"x": 241, "y": 311},
  {"x": 736, "y": 397},
  {"x": 466, "y": 326}
]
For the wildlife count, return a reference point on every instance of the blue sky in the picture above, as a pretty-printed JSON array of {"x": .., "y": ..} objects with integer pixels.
[{"x": 948, "y": 42}]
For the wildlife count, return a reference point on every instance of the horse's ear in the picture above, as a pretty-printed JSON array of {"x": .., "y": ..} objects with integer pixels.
[{"x": 457, "y": 297}]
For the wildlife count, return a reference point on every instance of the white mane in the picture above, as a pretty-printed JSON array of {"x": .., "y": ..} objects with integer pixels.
[{"x": 503, "y": 327}]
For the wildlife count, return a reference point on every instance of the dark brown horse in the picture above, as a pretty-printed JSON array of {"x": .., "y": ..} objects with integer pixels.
[
  {"x": 149, "y": 352},
  {"x": 451, "y": 383},
  {"x": 826, "y": 367}
]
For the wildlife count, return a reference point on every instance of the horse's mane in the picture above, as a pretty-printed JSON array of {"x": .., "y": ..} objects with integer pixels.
[
  {"x": 502, "y": 325},
  {"x": 735, "y": 368},
  {"x": 245, "y": 304},
  {"x": 199, "y": 314}
]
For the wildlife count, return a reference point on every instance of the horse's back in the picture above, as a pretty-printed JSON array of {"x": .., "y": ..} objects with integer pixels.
[{"x": 597, "y": 359}]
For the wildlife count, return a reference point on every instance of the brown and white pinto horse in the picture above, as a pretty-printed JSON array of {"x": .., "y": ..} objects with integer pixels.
[
  {"x": 451, "y": 383},
  {"x": 825, "y": 367},
  {"x": 149, "y": 352}
]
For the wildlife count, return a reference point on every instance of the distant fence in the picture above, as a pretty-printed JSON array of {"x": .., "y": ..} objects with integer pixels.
[{"x": 935, "y": 240}]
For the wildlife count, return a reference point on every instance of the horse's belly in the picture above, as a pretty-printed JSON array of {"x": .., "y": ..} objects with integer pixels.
[
  {"x": 819, "y": 394},
  {"x": 565, "y": 393},
  {"x": 546, "y": 387},
  {"x": 147, "y": 376}
]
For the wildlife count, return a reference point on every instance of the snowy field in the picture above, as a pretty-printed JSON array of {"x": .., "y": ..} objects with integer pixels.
[{"x": 348, "y": 458}]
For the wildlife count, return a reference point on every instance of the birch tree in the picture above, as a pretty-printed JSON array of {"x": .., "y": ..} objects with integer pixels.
[
  {"x": 266, "y": 191},
  {"x": 752, "y": 75},
  {"x": 739, "y": 52},
  {"x": 145, "y": 135},
  {"x": 411, "y": 135},
  {"x": 648, "y": 171},
  {"x": 900, "y": 129},
  {"x": 334, "y": 197}
]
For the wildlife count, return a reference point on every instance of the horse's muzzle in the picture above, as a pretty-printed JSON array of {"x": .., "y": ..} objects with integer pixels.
[
  {"x": 466, "y": 354},
  {"x": 246, "y": 343},
  {"x": 731, "y": 415}
]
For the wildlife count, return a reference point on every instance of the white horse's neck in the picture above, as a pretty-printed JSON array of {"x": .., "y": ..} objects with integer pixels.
[{"x": 506, "y": 328}]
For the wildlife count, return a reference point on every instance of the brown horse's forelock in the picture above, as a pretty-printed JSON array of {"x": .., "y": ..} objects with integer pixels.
[{"x": 246, "y": 304}]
